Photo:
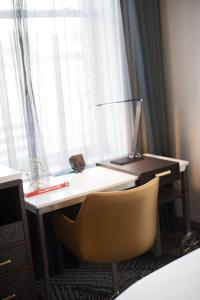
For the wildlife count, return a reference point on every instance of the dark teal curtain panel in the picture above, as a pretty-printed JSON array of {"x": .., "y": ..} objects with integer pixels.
[{"x": 142, "y": 30}]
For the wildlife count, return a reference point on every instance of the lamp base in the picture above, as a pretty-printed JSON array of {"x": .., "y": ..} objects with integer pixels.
[{"x": 128, "y": 159}]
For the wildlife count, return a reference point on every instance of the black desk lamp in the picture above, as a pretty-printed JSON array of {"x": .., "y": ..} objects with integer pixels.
[{"x": 133, "y": 155}]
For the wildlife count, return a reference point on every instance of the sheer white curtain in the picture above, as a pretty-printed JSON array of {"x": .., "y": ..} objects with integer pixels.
[{"x": 77, "y": 60}]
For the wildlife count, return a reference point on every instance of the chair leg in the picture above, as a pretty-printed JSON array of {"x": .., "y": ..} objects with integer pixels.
[
  {"x": 115, "y": 281},
  {"x": 100, "y": 291}
]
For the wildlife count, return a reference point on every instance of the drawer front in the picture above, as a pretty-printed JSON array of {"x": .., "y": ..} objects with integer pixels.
[
  {"x": 17, "y": 287},
  {"x": 166, "y": 175},
  {"x": 12, "y": 259},
  {"x": 11, "y": 233}
]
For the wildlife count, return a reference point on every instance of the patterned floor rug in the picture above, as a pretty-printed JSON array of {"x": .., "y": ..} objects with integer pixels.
[{"x": 74, "y": 283}]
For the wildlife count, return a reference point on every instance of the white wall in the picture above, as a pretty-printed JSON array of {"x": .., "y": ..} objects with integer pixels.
[{"x": 180, "y": 20}]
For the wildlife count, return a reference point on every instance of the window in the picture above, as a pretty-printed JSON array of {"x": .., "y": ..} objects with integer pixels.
[{"x": 77, "y": 60}]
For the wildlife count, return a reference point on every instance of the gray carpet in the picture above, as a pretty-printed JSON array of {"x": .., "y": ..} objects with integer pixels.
[{"x": 71, "y": 284}]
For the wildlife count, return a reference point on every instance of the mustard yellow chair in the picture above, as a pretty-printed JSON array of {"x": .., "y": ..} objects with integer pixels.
[{"x": 112, "y": 226}]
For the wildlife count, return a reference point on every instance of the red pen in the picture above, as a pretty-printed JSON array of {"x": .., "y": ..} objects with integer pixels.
[{"x": 47, "y": 189}]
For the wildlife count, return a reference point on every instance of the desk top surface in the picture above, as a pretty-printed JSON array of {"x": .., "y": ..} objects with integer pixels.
[
  {"x": 150, "y": 162},
  {"x": 8, "y": 174},
  {"x": 182, "y": 163},
  {"x": 81, "y": 184},
  {"x": 178, "y": 280}
]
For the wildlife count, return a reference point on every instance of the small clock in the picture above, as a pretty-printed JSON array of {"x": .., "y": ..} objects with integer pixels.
[{"x": 77, "y": 162}]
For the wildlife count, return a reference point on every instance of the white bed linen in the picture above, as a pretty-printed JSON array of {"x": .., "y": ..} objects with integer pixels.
[{"x": 179, "y": 280}]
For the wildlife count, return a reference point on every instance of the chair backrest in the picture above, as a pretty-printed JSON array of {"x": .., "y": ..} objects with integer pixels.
[{"x": 115, "y": 226}]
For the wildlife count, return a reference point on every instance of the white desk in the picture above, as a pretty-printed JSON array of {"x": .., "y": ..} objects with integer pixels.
[
  {"x": 81, "y": 184},
  {"x": 179, "y": 280}
]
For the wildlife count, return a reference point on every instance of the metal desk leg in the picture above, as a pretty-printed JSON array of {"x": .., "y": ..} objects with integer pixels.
[
  {"x": 44, "y": 254},
  {"x": 185, "y": 201}
]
